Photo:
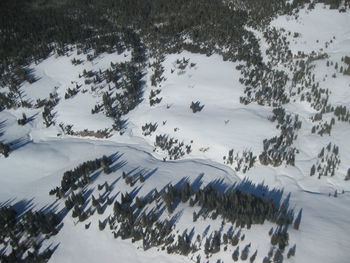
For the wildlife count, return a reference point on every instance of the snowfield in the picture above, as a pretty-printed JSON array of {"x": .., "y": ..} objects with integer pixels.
[{"x": 41, "y": 155}]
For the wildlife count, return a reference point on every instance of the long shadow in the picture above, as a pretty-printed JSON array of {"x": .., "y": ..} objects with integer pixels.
[
  {"x": 19, "y": 143},
  {"x": 86, "y": 195},
  {"x": 2, "y": 250},
  {"x": 175, "y": 217},
  {"x": 149, "y": 195},
  {"x": 149, "y": 174},
  {"x": 298, "y": 219},
  {"x": 113, "y": 198},
  {"x": 7, "y": 202},
  {"x": 191, "y": 234},
  {"x": 24, "y": 206},
  {"x": 115, "y": 182},
  {"x": 135, "y": 173},
  {"x": 179, "y": 185},
  {"x": 124, "y": 124},
  {"x": 114, "y": 166},
  {"x": 132, "y": 171},
  {"x": 55, "y": 247},
  {"x": 50, "y": 208},
  {"x": 30, "y": 76},
  {"x": 219, "y": 185},
  {"x": 31, "y": 118},
  {"x": 197, "y": 183},
  {"x": 282, "y": 206},
  {"x": 115, "y": 156},
  {"x": 135, "y": 191},
  {"x": 95, "y": 175},
  {"x": 261, "y": 190},
  {"x": 118, "y": 165},
  {"x": 206, "y": 231},
  {"x": 2, "y": 126},
  {"x": 160, "y": 211},
  {"x": 230, "y": 231}
]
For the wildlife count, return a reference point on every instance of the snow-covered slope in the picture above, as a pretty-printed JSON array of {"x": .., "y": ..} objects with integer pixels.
[{"x": 41, "y": 155}]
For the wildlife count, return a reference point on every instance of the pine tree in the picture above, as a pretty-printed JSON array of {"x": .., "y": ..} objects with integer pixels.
[
  {"x": 142, "y": 178},
  {"x": 4, "y": 149},
  {"x": 245, "y": 252},
  {"x": 194, "y": 217},
  {"x": 291, "y": 252},
  {"x": 139, "y": 203},
  {"x": 235, "y": 254},
  {"x": 347, "y": 177},
  {"x": 207, "y": 247},
  {"x": 313, "y": 170},
  {"x": 278, "y": 257},
  {"x": 101, "y": 225},
  {"x": 252, "y": 258}
]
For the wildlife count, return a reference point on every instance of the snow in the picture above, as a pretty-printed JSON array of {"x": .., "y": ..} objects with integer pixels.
[
  {"x": 40, "y": 157},
  {"x": 223, "y": 123}
]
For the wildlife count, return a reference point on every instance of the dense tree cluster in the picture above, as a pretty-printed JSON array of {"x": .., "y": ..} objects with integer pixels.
[
  {"x": 71, "y": 92},
  {"x": 158, "y": 70},
  {"x": 141, "y": 218},
  {"x": 157, "y": 77},
  {"x": 239, "y": 208},
  {"x": 153, "y": 99},
  {"x": 80, "y": 176},
  {"x": 31, "y": 32},
  {"x": 279, "y": 148},
  {"x": 323, "y": 127},
  {"x": 149, "y": 128},
  {"x": 47, "y": 114},
  {"x": 196, "y": 106},
  {"x": 127, "y": 77},
  {"x": 257, "y": 78},
  {"x": 234, "y": 206},
  {"x": 22, "y": 234},
  {"x": 342, "y": 113},
  {"x": 243, "y": 162},
  {"x": 174, "y": 149},
  {"x": 152, "y": 29},
  {"x": 121, "y": 85},
  {"x": 265, "y": 84},
  {"x": 242, "y": 210},
  {"x": 328, "y": 161}
]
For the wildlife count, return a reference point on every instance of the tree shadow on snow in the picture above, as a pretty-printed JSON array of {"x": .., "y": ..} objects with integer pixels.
[
  {"x": 19, "y": 143},
  {"x": 24, "y": 206},
  {"x": 2, "y": 126}
]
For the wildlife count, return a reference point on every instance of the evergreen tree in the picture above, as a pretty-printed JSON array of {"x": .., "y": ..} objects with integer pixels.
[
  {"x": 4, "y": 149},
  {"x": 235, "y": 254}
]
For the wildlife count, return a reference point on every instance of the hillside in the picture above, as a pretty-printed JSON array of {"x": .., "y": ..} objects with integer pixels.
[{"x": 177, "y": 132}]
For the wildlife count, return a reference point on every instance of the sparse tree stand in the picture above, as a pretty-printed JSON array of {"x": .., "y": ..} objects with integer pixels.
[{"x": 4, "y": 149}]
